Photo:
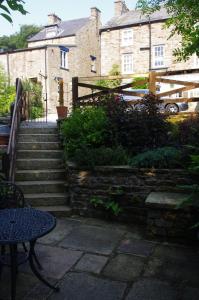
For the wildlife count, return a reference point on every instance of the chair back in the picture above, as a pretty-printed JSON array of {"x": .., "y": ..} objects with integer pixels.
[{"x": 11, "y": 196}]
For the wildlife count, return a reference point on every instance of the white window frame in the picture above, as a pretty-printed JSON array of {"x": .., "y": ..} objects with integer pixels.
[
  {"x": 159, "y": 56},
  {"x": 127, "y": 63},
  {"x": 127, "y": 37},
  {"x": 64, "y": 59}
]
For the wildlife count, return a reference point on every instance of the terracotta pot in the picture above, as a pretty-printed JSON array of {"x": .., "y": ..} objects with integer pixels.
[{"x": 62, "y": 112}]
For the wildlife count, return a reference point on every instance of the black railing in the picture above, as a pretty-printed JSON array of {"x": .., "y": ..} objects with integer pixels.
[{"x": 9, "y": 160}]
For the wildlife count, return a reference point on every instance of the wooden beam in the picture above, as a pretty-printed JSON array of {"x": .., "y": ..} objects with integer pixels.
[
  {"x": 177, "y": 72},
  {"x": 152, "y": 82},
  {"x": 128, "y": 76},
  {"x": 179, "y": 82},
  {"x": 102, "y": 88},
  {"x": 175, "y": 91}
]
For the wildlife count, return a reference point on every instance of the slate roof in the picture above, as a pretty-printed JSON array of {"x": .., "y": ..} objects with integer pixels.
[
  {"x": 65, "y": 28},
  {"x": 134, "y": 17}
]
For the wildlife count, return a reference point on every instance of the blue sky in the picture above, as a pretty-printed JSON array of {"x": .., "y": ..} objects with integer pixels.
[{"x": 65, "y": 9}]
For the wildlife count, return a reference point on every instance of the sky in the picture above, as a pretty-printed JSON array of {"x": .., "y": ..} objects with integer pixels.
[{"x": 65, "y": 9}]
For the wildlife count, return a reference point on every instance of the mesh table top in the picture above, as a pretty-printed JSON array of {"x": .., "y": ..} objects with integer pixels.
[{"x": 24, "y": 224}]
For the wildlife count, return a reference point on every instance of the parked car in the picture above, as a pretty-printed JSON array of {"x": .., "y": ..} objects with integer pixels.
[{"x": 168, "y": 107}]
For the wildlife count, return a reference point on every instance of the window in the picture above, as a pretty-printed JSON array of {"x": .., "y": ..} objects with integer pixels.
[
  {"x": 158, "y": 54},
  {"x": 127, "y": 37},
  {"x": 127, "y": 63},
  {"x": 64, "y": 59},
  {"x": 93, "y": 63},
  {"x": 196, "y": 61}
]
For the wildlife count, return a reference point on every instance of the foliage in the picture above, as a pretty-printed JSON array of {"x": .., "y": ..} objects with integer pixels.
[
  {"x": 184, "y": 21},
  {"x": 166, "y": 157},
  {"x": 136, "y": 130},
  {"x": 115, "y": 71},
  {"x": 84, "y": 128},
  {"x": 6, "y": 6},
  {"x": 136, "y": 85},
  {"x": 188, "y": 131},
  {"x": 108, "y": 204},
  {"x": 34, "y": 91},
  {"x": 7, "y": 93},
  {"x": 102, "y": 156},
  {"x": 18, "y": 40}
]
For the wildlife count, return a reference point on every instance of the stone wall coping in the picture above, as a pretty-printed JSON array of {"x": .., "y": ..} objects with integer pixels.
[
  {"x": 165, "y": 200},
  {"x": 124, "y": 168}
]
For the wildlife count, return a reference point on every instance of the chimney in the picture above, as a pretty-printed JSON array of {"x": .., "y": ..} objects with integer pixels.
[
  {"x": 95, "y": 13},
  {"x": 53, "y": 19},
  {"x": 120, "y": 8}
]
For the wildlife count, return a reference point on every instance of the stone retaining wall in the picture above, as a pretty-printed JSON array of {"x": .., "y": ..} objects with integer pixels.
[{"x": 127, "y": 186}]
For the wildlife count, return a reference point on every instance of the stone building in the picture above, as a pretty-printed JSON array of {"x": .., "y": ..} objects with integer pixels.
[
  {"x": 138, "y": 43},
  {"x": 60, "y": 51}
]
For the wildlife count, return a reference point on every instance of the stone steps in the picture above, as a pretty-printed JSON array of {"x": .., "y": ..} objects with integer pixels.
[
  {"x": 38, "y": 146},
  {"x": 33, "y": 175},
  {"x": 40, "y": 169},
  {"x": 38, "y": 187},
  {"x": 39, "y": 154},
  {"x": 39, "y": 164},
  {"x": 46, "y": 199},
  {"x": 38, "y": 138}
]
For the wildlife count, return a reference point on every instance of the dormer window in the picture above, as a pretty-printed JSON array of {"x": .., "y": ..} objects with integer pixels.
[{"x": 51, "y": 31}]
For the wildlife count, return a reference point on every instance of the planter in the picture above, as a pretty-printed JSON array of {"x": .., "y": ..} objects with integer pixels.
[{"x": 62, "y": 112}]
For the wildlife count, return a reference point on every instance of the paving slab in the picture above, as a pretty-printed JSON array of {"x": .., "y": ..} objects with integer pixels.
[
  {"x": 62, "y": 229},
  {"x": 151, "y": 289},
  {"x": 124, "y": 267},
  {"x": 177, "y": 264},
  {"x": 81, "y": 286},
  {"x": 39, "y": 291},
  {"x": 92, "y": 239},
  {"x": 190, "y": 293},
  {"x": 91, "y": 263},
  {"x": 136, "y": 247},
  {"x": 55, "y": 261}
]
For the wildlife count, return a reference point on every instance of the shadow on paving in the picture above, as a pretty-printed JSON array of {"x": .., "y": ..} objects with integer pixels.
[{"x": 95, "y": 260}]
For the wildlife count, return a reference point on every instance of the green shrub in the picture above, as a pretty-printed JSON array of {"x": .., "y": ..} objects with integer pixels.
[
  {"x": 85, "y": 128},
  {"x": 188, "y": 131},
  {"x": 166, "y": 157},
  {"x": 34, "y": 94},
  {"x": 7, "y": 93},
  {"x": 101, "y": 156},
  {"x": 36, "y": 112}
]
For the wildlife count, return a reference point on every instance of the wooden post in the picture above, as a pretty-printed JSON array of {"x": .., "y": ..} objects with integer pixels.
[
  {"x": 152, "y": 82},
  {"x": 74, "y": 91}
]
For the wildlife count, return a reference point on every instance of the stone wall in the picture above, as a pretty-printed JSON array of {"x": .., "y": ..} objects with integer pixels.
[
  {"x": 112, "y": 49},
  {"x": 127, "y": 186}
]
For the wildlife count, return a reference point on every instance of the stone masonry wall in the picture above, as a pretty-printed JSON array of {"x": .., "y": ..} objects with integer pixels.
[
  {"x": 112, "y": 49},
  {"x": 127, "y": 186}
]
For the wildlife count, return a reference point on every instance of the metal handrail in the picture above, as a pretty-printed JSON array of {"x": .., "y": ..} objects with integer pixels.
[{"x": 10, "y": 159}]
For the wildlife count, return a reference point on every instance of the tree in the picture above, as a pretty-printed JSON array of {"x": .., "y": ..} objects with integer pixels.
[
  {"x": 19, "y": 39},
  {"x": 184, "y": 21},
  {"x": 7, "y": 6}
]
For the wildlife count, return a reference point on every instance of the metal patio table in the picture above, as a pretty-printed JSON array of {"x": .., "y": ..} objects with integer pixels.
[{"x": 24, "y": 225}]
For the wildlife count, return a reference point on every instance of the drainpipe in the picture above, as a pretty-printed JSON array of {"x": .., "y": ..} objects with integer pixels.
[
  {"x": 150, "y": 45},
  {"x": 8, "y": 67},
  {"x": 46, "y": 96}
]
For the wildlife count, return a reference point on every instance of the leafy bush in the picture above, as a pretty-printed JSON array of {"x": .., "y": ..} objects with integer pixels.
[
  {"x": 34, "y": 93},
  {"x": 166, "y": 157},
  {"x": 85, "y": 156},
  {"x": 83, "y": 129},
  {"x": 188, "y": 131},
  {"x": 136, "y": 130},
  {"x": 7, "y": 93}
]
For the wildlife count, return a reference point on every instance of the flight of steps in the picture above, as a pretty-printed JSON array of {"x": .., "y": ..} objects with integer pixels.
[{"x": 40, "y": 170}]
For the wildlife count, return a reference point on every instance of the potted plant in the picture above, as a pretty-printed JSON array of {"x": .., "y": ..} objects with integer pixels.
[{"x": 61, "y": 109}]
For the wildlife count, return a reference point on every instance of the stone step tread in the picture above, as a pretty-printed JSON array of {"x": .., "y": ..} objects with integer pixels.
[
  {"x": 42, "y": 182},
  {"x": 35, "y": 134},
  {"x": 54, "y": 208},
  {"x": 39, "y": 159},
  {"x": 42, "y": 151},
  {"x": 29, "y": 142},
  {"x": 44, "y": 195},
  {"x": 41, "y": 171}
]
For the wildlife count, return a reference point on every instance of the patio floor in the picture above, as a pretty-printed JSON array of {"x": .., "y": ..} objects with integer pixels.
[{"x": 96, "y": 260}]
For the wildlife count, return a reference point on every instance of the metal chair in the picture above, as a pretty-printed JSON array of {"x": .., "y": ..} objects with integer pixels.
[{"x": 11, "y": 196}]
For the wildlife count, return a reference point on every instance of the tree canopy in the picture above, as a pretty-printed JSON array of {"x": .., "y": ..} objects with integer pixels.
[
  {"x": 18, "y": 40},
  {"x": 184, "y": 21},
  {"x": 7, "y": 6}
]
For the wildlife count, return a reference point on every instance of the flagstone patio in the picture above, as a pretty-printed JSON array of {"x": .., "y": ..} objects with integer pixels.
[{"x": 96, "y": 260}]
